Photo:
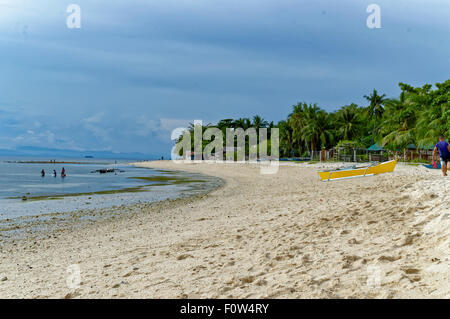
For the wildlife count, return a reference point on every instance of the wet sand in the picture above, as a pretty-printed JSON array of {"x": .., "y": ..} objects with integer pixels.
[{"x": 285, "y": 235}]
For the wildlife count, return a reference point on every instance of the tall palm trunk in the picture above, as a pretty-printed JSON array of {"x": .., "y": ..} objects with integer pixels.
[
  {"x": 374, "y": 127},
  {"x": 307, "y": 147}
]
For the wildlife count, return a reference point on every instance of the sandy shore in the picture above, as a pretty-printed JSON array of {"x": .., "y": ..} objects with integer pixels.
[{"x": 259, "y": 236}]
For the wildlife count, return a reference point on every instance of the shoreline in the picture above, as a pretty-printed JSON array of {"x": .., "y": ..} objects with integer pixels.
[
  {"x": 44, "y": 224},
  {"x": 279, "y": 236}
]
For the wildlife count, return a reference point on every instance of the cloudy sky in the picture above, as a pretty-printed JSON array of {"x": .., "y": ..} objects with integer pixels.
[{"x": 137, "y": 69}]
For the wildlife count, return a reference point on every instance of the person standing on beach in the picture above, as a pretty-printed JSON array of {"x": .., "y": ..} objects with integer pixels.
[
  {"x": 43, "y": 173},
  {"x": 444, "y": 153},
  {"x": 63, "y": 172},
  {"x": 54, "y": 173}
]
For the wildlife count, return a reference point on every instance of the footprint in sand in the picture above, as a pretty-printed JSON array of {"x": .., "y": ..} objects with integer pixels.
[
  {"x": 184, "y": 256},
  {"x": 410, "y": 271},
  {"x": 349, "y": 260},
  {"x": 354, "y": 241},
  {"x": 409, "y": 239},
  {"x": 389, "y": 258}
]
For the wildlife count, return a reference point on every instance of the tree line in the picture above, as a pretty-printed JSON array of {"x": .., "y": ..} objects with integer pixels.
[{"x": 418, "y": 116}]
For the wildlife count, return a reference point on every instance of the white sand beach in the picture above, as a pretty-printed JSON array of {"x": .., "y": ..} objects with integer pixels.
[{"x": 285, "y": 235}]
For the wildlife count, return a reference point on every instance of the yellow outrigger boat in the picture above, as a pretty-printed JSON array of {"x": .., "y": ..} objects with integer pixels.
[{"x": 353, "y": 171}]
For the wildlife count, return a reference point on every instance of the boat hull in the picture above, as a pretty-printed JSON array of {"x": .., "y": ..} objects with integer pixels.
[{"x": 385, "y": 167}]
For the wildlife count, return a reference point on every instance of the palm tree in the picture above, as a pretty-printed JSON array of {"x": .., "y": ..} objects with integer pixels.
[
  {"x": 243, "y": 123},
  {"x": 375, "y": 108},
  {"x": 348, "y": 121},
  {"x": 286, "y": 138},
  {"x": 259, "y": 122},
  {"x": 224, "y": 124},
  {"x": 434, "y": 111},
  {"x": 297, "y": 122},
  {"x": 318, "y": 128},
  {"x": 399, "y": 125}
]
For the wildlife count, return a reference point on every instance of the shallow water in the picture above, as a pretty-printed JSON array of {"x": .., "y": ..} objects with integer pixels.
[
  {"x": 82, "y": 188},
  {"x": 24, "y": 179}
]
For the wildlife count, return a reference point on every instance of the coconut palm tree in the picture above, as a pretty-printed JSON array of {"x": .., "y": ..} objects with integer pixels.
[
  {"x": 224, "y": 124},
  {"x": 286, "y": 138},
  {"x": 259, "y": 122},
  {"x": 348, "y": 122},
  {"x": 375, "y": 108},
  {"x": 434, "y": 114},
  {"x": 243, "y": 123},
  {"x": 297, "y": 122},
  {"x": 399, "y": 125},
  {"x": 318, "y": 128}
]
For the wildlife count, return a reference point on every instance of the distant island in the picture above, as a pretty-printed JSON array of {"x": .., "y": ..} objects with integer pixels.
[
  {"x": 35, "y": 151},
  {"x": 55, "y": 162}
]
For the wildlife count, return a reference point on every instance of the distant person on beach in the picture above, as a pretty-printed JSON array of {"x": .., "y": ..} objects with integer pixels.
[
  {"x": 42, "y": 173},
  {"x": 54, "y": 173},
  {"x": 444, "y": 153},
  {"x": 63, "y": 172}
]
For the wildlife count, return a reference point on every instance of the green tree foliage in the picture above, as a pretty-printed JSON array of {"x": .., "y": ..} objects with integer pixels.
[
  {"x": 348, "y": 120},
  {"x": 418, "y": 116},
  {"x": 375, "y": 109}
]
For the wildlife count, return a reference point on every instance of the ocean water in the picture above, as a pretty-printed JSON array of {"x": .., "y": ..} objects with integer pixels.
[
  {"x": 24, "y": 179},
  {"x": 79, "y": 189}
]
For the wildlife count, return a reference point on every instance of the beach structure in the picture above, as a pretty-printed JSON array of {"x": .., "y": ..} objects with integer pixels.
[
  {"x": 376, "y": 153},
  {"x": 413, "y": 152},
  {"x": 348, "y": 152},
  {"x": 409, "y": 153},
  {"x": 351, "y": 152}
]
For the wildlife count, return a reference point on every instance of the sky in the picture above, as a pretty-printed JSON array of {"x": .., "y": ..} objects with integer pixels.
[{"x": 138, "y": 69}]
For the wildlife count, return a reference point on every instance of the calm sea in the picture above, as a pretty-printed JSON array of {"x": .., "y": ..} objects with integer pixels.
[{"x": 20, "y": 179}]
